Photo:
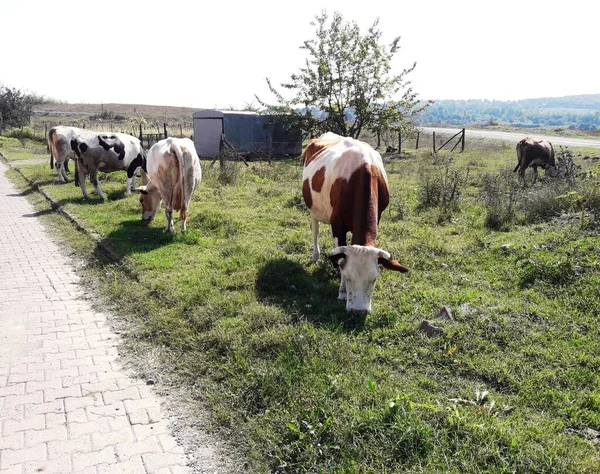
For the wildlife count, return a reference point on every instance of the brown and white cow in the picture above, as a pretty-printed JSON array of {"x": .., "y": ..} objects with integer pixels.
[
  {"x": 534, "y": 153},
  {"x": 174, "y": 173},
  {"x": 107, "y": 152},
  {"x": 345, "y": 185},
  {"x": 59, "y": 146}
]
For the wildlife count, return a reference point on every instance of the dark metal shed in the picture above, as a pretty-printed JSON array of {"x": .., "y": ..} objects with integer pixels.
[{"x": 249, "y": 133}]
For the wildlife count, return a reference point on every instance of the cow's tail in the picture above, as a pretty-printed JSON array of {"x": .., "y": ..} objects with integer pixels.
[
  {"x": 176, "y": 149},
  {"x": 50, "y": 146},
  {"x": 518, "y": 156}
]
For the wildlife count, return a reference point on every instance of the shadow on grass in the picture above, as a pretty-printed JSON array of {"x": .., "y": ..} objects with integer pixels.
[
  {"x": 27, "y": 192},
  {"x": 304, "y": 295},
  {"x": 39, "y": 213},
  {"x": 134, "y": 237}
]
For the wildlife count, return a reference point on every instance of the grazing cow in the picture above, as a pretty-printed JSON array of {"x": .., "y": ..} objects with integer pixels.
[
  {"x": 174, "y": 173},
  {"x": 106, "y": 152},
  {"x": 59, "y": 146},
  {"x": 345, "y": 185},
  {"x": 534, "y": 153}
]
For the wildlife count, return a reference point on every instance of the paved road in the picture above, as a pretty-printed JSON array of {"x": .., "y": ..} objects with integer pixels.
[
  {"x": 515, "y": 137},
  {"x": 66, "y": 405}
]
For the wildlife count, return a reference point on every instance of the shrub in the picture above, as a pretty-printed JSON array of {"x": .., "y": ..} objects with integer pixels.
[
  {"x": 441, "y": 187},
  {"x": 21, "y": 133},
  {"x": 500, "y": 194}
]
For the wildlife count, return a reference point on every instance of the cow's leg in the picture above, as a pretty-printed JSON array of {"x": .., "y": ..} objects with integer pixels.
[
  {"x": 80, "y": 181},
  {"x": 522, "y": 175},
  {"x": 59, "y": 171},
  {"x": 63, "y": 171},
  {"x": 535, "y": 174},
  {"x": 314, "y": 225},
  {"x": 339, "y": 240},
  {"x": 96, "y": 183},
  {"x": 183, "y": 215},
  {"x": 169, "y": 216}
]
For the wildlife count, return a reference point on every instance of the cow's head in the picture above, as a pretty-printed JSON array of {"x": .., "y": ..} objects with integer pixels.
[
  {"x": 150, "y": 201},
  {"x": 359, "y": 266}
]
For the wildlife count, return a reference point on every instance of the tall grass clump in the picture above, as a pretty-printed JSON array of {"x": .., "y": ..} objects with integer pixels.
[
  {"x": 441, "y": 187},
  {"x": 501, "y": 195}
]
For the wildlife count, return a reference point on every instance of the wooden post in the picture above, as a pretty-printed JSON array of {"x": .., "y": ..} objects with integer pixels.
[
  {"x": 434, "y": 142},
  {"x": 111, "y": 127},
  {"x": 46, "y": 130},
  {"x": 417, "y": 145},
  {"x": 181, "y": 130},
  {"x": 378, "y": 139},
  {"x": 399, "y": 142},
  {"x": 141, "y": 136},
  {"x": 462, "y": 147},
  {"x": 221, "y": 147},
  {"x": 165, "y": 128}
]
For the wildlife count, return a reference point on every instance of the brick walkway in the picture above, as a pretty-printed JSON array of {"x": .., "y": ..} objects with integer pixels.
[{"x": 65, "y": 403}]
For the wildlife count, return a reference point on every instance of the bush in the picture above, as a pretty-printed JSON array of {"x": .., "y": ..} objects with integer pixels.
[
  {"x": 441, "y": 187},
  {"x": 500, "y": 194},
  {"x": 22, "y": 134}
]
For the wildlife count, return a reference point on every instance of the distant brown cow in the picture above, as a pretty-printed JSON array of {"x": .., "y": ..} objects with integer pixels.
[{"x": 534, "y": 153}]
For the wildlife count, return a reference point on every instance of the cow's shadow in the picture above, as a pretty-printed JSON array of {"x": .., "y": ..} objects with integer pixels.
[
  {"x": 132, "y": 237},
  {"x": 306, "y": 296}
]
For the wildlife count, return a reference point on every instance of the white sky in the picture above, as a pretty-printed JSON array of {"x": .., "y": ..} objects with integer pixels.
[{"x": 218, "y": 53}]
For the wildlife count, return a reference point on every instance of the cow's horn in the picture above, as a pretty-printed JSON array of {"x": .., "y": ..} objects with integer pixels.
[{"x": 338, "y": 250}]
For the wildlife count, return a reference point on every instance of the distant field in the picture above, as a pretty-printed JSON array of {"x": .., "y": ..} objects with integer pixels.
[{"x": 235, "y": 310}]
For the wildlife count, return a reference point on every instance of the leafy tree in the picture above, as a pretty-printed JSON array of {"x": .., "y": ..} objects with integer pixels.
[
  {"x": 346, "y": 85},
  {"x": 15, "y": 107}
]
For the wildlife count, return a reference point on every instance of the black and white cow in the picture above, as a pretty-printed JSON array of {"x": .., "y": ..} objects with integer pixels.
[
  {"x": 534, "y": 153},
  {"x": 106, "y": 152}
]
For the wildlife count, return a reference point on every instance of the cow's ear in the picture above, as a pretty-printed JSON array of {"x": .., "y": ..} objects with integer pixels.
[
  {"x": 142, "y": 189},
  {"x": 391, "y": 264},
  {"x": 338, "y": 260}
]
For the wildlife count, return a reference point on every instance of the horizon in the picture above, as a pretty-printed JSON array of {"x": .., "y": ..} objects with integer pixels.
[{"x": 216, "y": 59}]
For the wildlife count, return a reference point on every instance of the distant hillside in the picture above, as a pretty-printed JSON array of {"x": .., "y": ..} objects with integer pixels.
[
  {"x": 162, "y": 112},
  {"x": 574, "y": 112}
]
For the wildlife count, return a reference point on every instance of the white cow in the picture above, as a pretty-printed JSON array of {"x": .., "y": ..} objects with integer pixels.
[
  {"x": 344, "y": 184},
  {"x": 174, "y": 173},
  {"x": 102, "y": 151},
  {"x": 59, "y": 146}
]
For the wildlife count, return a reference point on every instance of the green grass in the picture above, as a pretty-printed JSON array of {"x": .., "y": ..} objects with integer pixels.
[{"x": 239, "y": 313}]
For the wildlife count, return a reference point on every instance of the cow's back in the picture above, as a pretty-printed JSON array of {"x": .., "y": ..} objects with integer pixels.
[{"x": 341, "y": 176}]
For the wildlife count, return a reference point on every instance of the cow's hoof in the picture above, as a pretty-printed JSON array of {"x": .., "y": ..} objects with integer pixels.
[
  {"x": 315, "y": 258},
  {"x": 342, "y": 297}
]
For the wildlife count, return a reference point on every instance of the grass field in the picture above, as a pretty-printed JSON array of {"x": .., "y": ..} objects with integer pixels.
[{"x": 235, "y": 310}]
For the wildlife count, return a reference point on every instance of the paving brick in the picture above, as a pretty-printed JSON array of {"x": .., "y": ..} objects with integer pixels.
[
  {"x": 57, "y": 465},
  {"x": 81, "y": 445},
  {"x": 154, "y": 462},
  {"x": 130, "y": 393},
  {"x": 37, "y": 422},
  {"x": 123, "y": 436},
  {"x": 15, "y": 441},
  {"x": 33, "y": 437},
  {"x": 55, "y": 406},
  {"x": 97, "y": 426},
  {"x": 27, "y": 377},
  {"x": 84, "y": 460},
  {"x": 11, "y": 457},
  {"x": 148, "y": 446},
  {"x": 154, "y": 429},
  {"x": 131, "y": 466}
]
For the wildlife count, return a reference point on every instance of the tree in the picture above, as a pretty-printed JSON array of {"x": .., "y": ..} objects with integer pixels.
[
  {"x": 15, "y": 107},
  {"x": 346, "y": 85}
]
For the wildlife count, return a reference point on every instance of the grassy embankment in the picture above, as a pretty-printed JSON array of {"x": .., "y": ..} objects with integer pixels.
[{"x": 236, "y": 309}]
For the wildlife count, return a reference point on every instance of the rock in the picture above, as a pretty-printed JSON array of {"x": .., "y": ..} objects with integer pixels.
[
  {"x": 445, "y": 313},
  {"x": 505, "y": 247},
  {"x": 149, "y": 382},
  {"x": 429, "y": 329},
  {"x": 293, "y": 287}
]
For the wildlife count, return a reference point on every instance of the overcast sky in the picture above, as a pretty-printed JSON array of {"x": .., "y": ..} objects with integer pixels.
[{"x": 218, "y": 53}]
